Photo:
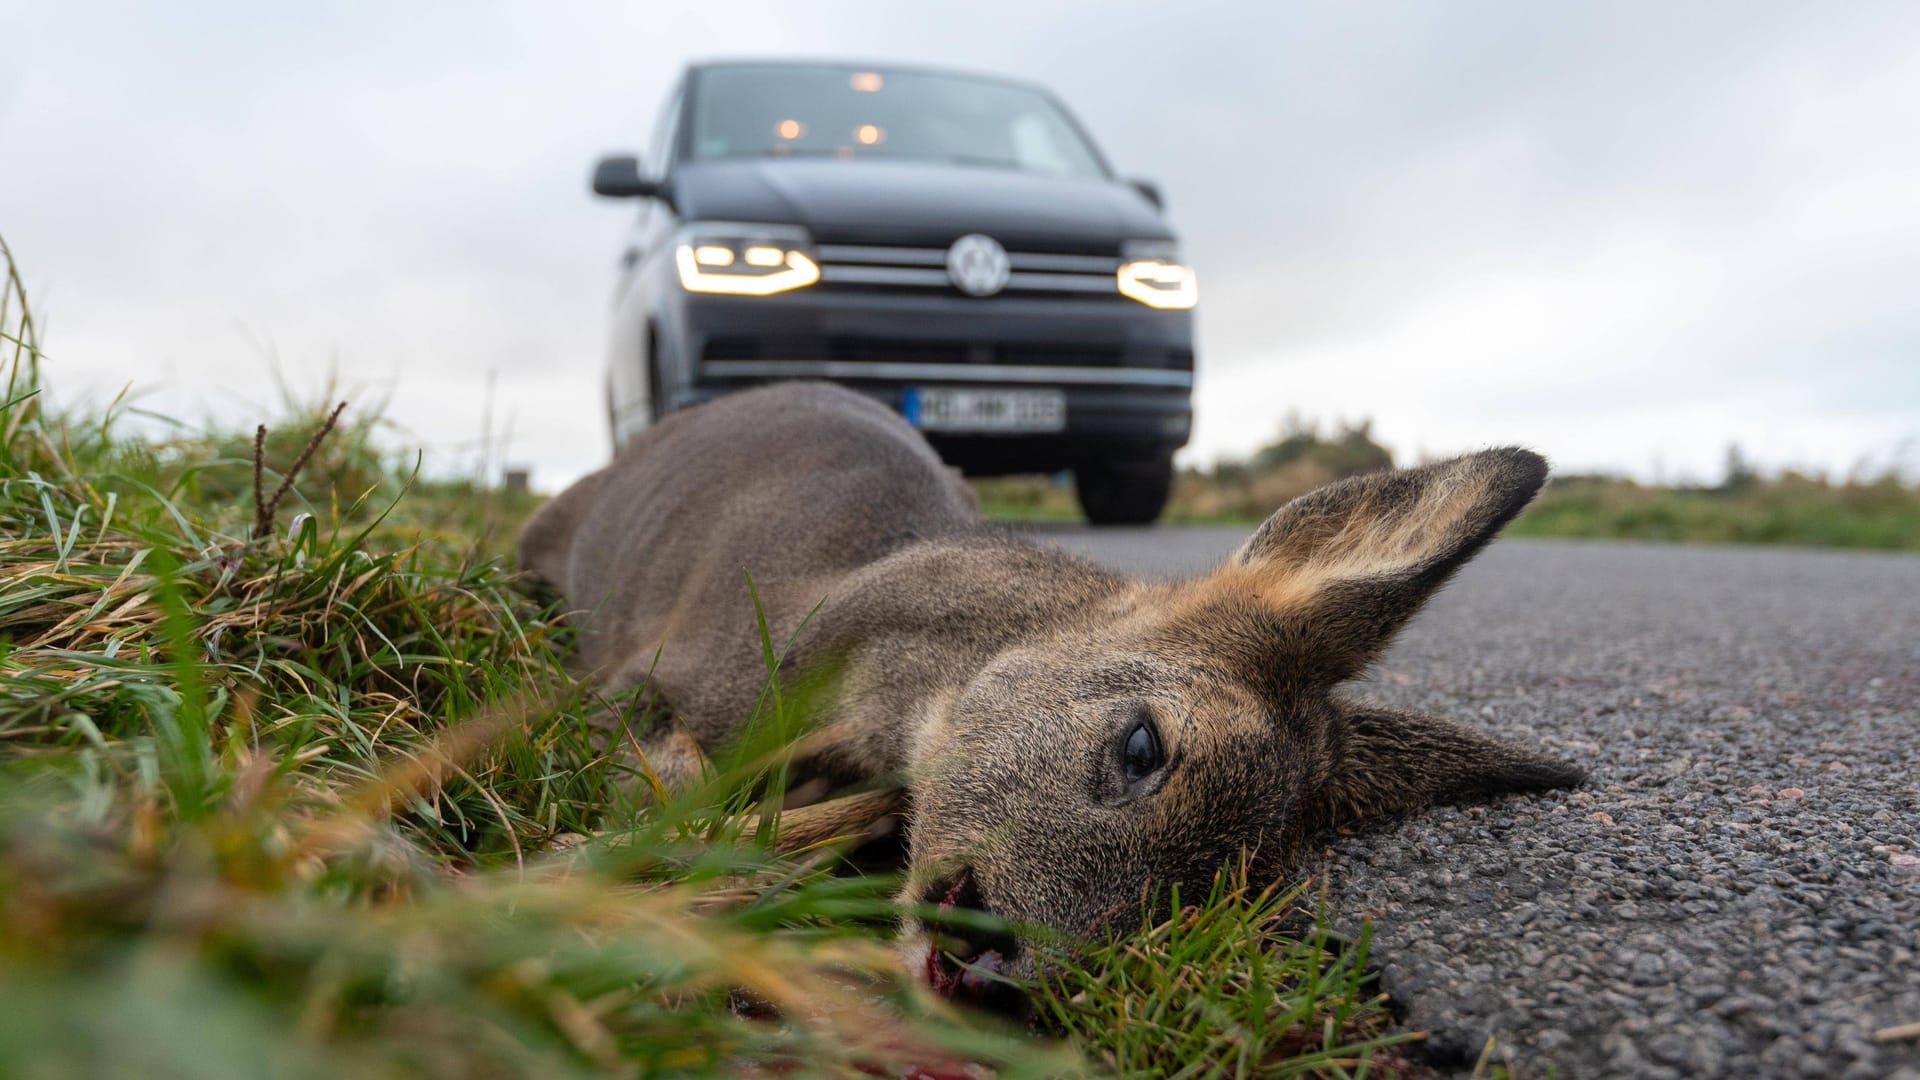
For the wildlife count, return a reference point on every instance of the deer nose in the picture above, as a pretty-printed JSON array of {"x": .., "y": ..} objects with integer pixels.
[
  {"x": 955, "y": 890},
  {"x": 965, "y": 960},
  {"x": 961, "y": 921},
  {"x": 962, "y": 924}
]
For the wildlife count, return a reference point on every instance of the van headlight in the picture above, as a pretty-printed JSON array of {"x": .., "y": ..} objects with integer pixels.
[
  {"x": 744, "y": 259},
  {"x": 1152, "y": 273}
]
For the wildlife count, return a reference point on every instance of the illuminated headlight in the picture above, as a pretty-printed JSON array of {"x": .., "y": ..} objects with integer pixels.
[
  {"x": 744, "y": 259},
  {"x": 1154, "y": 275}
]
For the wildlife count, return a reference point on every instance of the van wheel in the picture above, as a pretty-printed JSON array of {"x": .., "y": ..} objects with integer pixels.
[
  {"x": 656, "y": 394},
  {"x": 1123, "y": 492}
]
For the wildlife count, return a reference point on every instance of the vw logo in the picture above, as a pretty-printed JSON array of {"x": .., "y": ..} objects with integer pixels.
[{"x": 978, "y": 265}]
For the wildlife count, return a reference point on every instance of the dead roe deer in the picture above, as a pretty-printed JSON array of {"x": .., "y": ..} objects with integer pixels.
[{"x": 1065, "y": 739}]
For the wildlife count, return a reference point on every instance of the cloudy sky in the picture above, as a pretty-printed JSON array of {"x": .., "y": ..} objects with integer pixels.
[{"x": 1625, "y": 233}]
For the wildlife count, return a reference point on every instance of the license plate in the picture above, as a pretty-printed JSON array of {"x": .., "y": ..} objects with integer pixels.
[{"x": 943, "y": 409}]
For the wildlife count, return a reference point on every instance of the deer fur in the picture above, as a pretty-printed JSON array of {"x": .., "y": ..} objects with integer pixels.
[{"x": 998, "y": 680}]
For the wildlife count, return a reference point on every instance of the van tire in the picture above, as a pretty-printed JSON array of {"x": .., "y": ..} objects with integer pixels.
[{"x": 1123, "y": 492}]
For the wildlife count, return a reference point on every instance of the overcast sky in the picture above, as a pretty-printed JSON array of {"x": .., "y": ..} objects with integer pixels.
[{"x": 1626, "y": 234}]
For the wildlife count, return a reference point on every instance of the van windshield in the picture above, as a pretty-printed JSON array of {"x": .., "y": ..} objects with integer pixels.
[{"x": 791, "y": 110}]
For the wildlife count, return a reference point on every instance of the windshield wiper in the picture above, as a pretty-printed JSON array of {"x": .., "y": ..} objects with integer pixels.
[
  {"x": 989, "y": 162},
  {"x": 866, "y": 154}
]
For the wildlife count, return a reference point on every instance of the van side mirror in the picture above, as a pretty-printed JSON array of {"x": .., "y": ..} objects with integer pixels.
[
  {"x": 618, "y": 177},
  {"x": 1150, "y": 191}
]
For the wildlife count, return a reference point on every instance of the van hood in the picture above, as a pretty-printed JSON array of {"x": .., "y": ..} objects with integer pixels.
[{"x": 922, "y": 203}]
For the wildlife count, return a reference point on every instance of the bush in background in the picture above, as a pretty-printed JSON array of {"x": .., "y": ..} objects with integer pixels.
[{"x": 1304, "y": 456}]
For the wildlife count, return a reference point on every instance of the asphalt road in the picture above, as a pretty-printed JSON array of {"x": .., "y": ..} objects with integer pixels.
[{"x": 1737, "y": 890}]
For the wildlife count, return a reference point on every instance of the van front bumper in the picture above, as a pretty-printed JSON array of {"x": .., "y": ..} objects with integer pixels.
[{"x": 1126, "y": 370}]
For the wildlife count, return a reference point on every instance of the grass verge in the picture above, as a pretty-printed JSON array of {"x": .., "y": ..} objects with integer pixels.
[
  {"x": 1879, "y": 513},
  {"x": 1187, "y": 998},
  {"x": 310, "y": 793}
]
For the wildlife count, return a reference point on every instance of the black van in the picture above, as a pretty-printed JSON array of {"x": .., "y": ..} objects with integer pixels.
[{"x": 952, "y": 244}]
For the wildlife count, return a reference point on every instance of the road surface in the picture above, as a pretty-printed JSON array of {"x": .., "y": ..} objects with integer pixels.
[{"x": 1737, "y": 890}]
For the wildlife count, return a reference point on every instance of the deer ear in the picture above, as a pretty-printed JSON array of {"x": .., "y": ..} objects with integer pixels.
[
  {"x": 1340, "y": 570},
  {"x": 1386, "y": 762}
]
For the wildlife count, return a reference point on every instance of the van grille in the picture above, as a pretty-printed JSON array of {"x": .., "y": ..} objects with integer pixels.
[
  {"x": 884, "y": 267},
  {"x": 908, "y": 351}
]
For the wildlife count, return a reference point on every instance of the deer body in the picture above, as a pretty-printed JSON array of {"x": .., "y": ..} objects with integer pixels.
[
  {"x": 1068, "y": 738},
  {"x": 843, "y": 517}
]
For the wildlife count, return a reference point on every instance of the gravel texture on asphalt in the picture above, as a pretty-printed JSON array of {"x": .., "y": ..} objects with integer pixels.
[{"x": 1736, "y": 892}]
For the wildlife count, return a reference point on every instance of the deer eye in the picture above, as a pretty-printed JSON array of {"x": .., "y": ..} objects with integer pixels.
[{"x": 1140, "y": 755}]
